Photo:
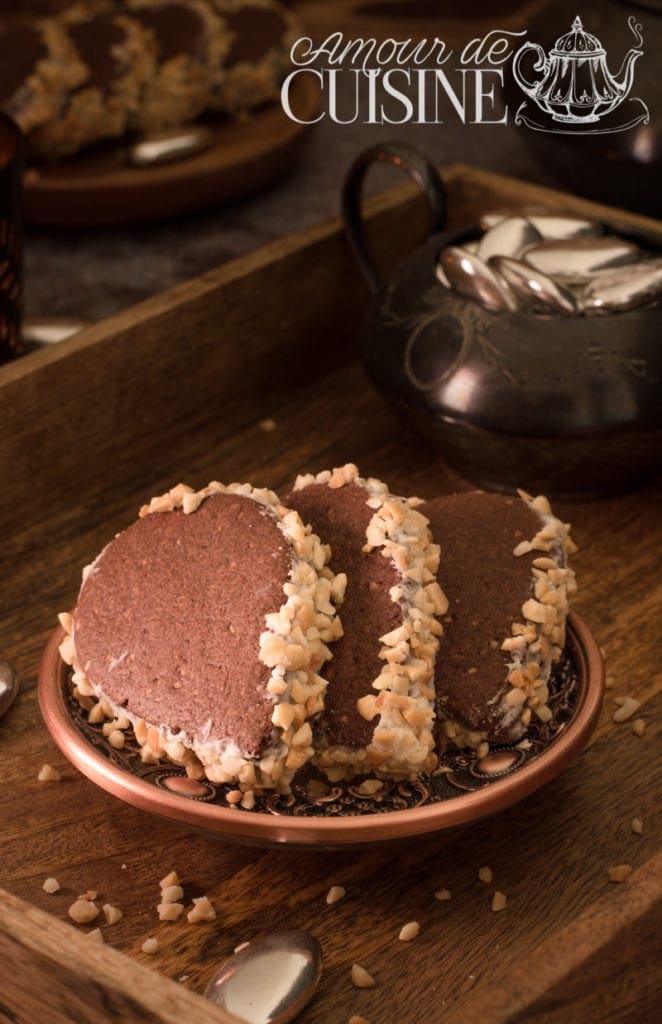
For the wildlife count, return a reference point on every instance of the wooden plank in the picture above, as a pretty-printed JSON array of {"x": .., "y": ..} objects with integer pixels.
[
  {"x": 51, "y": 974},
  {"x": 579, "y": 972}
]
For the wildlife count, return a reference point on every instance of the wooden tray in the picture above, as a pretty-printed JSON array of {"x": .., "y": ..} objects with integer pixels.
[
  {"x": 179, "y": 388},
  {"x": 97, "y": 187}
]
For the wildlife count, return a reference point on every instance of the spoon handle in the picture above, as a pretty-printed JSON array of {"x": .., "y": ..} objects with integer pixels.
[{"x": 418, "y": 167}]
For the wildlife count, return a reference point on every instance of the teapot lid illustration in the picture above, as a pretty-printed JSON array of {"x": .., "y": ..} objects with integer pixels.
[{"x": 578, "y": 43}]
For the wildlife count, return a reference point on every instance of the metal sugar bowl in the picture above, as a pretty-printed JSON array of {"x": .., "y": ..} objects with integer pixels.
[{"x": 526, "y": 349}]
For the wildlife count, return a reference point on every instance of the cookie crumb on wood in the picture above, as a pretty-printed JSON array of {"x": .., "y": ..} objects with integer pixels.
[
  {"x": 170, "y": 879},
  {"x": 83, "y": 911},
  {"x": 49, "y": 774},
  {"x": 150, "y": 945},
  {"x": 499, "y": 901},
  {"x": 335, "y": 893},
  {"x": 619, "y": 872},
  {"x": 361, "y": 978},
  {"x": 111, "y": 913},
  {"x": 202, "y": 910},
  {"x": 442, "y": 894},
  {"x": 637, "y": 826},
  {"x": 626, "y": 709},
  {"x": 639, "y": 727},
  {"x": 486, "y": 875},
  {"x": 409, "y": 931},
  {"x": 51, "y": 885}
]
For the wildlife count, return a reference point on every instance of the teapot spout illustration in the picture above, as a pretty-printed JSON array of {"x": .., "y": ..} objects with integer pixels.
[{"x": 575, "y": 85}]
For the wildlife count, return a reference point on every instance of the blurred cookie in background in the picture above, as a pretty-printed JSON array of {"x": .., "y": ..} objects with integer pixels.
[
  {"x": 38, "y": 67},
  {"x": 119, "y": 56},
  {"x": 190, "y": 42},
  {"x": 261, "y": 35}
]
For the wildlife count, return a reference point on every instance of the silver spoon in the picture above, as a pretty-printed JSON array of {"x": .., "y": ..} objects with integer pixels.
[
  {"x": 270, "y": 980},
  {"x": 8, "y": 686}
]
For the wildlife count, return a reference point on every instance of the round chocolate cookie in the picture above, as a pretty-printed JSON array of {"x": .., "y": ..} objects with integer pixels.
[
  {"x": 38, "y": 67},
  {"x": 205, "y": 624},
  {"x": 261, "y": 34},
  {"x": 119, "y": 56},
  {"x": 379, "y": 705},
  {"x": 504, "y": 570},
  {"x": 190, "y": 43}
]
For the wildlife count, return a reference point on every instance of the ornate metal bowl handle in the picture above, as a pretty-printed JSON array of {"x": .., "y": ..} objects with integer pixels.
[
  {"x": 421, "y": 170},
  {"x": 540, "y": 65}
]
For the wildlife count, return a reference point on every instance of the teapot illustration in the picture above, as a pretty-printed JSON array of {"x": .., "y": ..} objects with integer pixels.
[{"x": 576, "y": 85}]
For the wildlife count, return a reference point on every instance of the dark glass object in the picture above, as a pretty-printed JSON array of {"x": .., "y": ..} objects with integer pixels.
[{"x": 11, "y": 240}]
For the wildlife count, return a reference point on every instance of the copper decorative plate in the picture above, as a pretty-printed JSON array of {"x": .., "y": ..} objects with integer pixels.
[{"x": 337, "y": 815}]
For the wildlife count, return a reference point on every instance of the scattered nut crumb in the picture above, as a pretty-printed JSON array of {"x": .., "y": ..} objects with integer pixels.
[
  {"x": 117, "y": 739},
  {"x": 123, "y": 867},
  {"x": 335, "y": 893},
  {"x": 234, "y": 796},
  {"x": 91, "y": 894},
  {"x": 112, "y": 914},
  {"x": 170, "y": 879},
  {"x": 242, "y": 945},
  {"x": 609, "y": 683},
  {"x": 267, "y": 425},
  {"x": 639, "y": 727},
  {"x": 83, "y": 911},
  {"x": 370, "y": 786},
  {"x": 48, "y": 774},
  {"x": 619, "y": 873},
  {"x": 170, "y": 911},
  {"x": 150, "y": 945},
  {"x": 499, "y": 901},
  {"x": 355, "y": 1019},
  {"x": 486, "y": 875},
  {"x": 409, "y": 931},
  {"x": 95, "y": 935},
  {"x": 171, "y": 893},
  {"x": 628, "y": 706},
  {"x": 442, "y": 894},
  {"x": 248, "y": 800},
  {"x": 51, "y": 885},
  {"x": 202, "y": 910},
  {"x": 637, "y": 826},
  {"x": 361, "y": 978}
]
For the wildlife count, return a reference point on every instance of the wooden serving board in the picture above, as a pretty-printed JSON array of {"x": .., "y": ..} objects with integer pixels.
[{"x": 179, "y": 388}]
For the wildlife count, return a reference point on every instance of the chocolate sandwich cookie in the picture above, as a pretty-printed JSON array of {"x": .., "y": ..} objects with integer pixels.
[
  {"x": 119, "y": 56},
  {"x": 205, "y": 625},
  {"x": 261, "y": 34},
  {"x": 505, "y": 572},
  {"x": 38, "y": 67},
  {"x": 190, "y": 42},
  {"x": 379, "y": 706}
]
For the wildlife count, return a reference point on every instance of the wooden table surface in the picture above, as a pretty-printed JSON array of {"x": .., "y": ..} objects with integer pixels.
[{"x": 556, "y": 950}]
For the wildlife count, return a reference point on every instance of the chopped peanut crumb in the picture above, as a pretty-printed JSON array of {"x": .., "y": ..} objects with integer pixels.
[
  {"x": 499, "y": 901},
  {"x": 335, "y": 893},
  {"x": 48, "y": 774},
  {"x": 171, "y": 893},
  {"x": 83, "y": 911},
  {"x": 170, "y": 911},
  {"x": 361, "y": 978},
  {"x": 51, "y": 885},
  {"x": 639, "y": 727},
  {"x": 202, "y": 910},
  {"x": 91, "y": 894},
  {"x": 619, "y": 873},
  {"x": 112, "y": 914},
  {"x": 95, "y": 935},
  {"x": 409, "y": 931},
  {"x": 637, "y": 826},
  {"x": 267, "y": 425},
  {"x": 355, "y": 1019},
  {"x": 150, "y": 945},
  {"x": 626, "y": 709},
  {"x": 170, "y": 879},
  {"x": 485, "y": 875},
  {"x": 442, "y": 894}
]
